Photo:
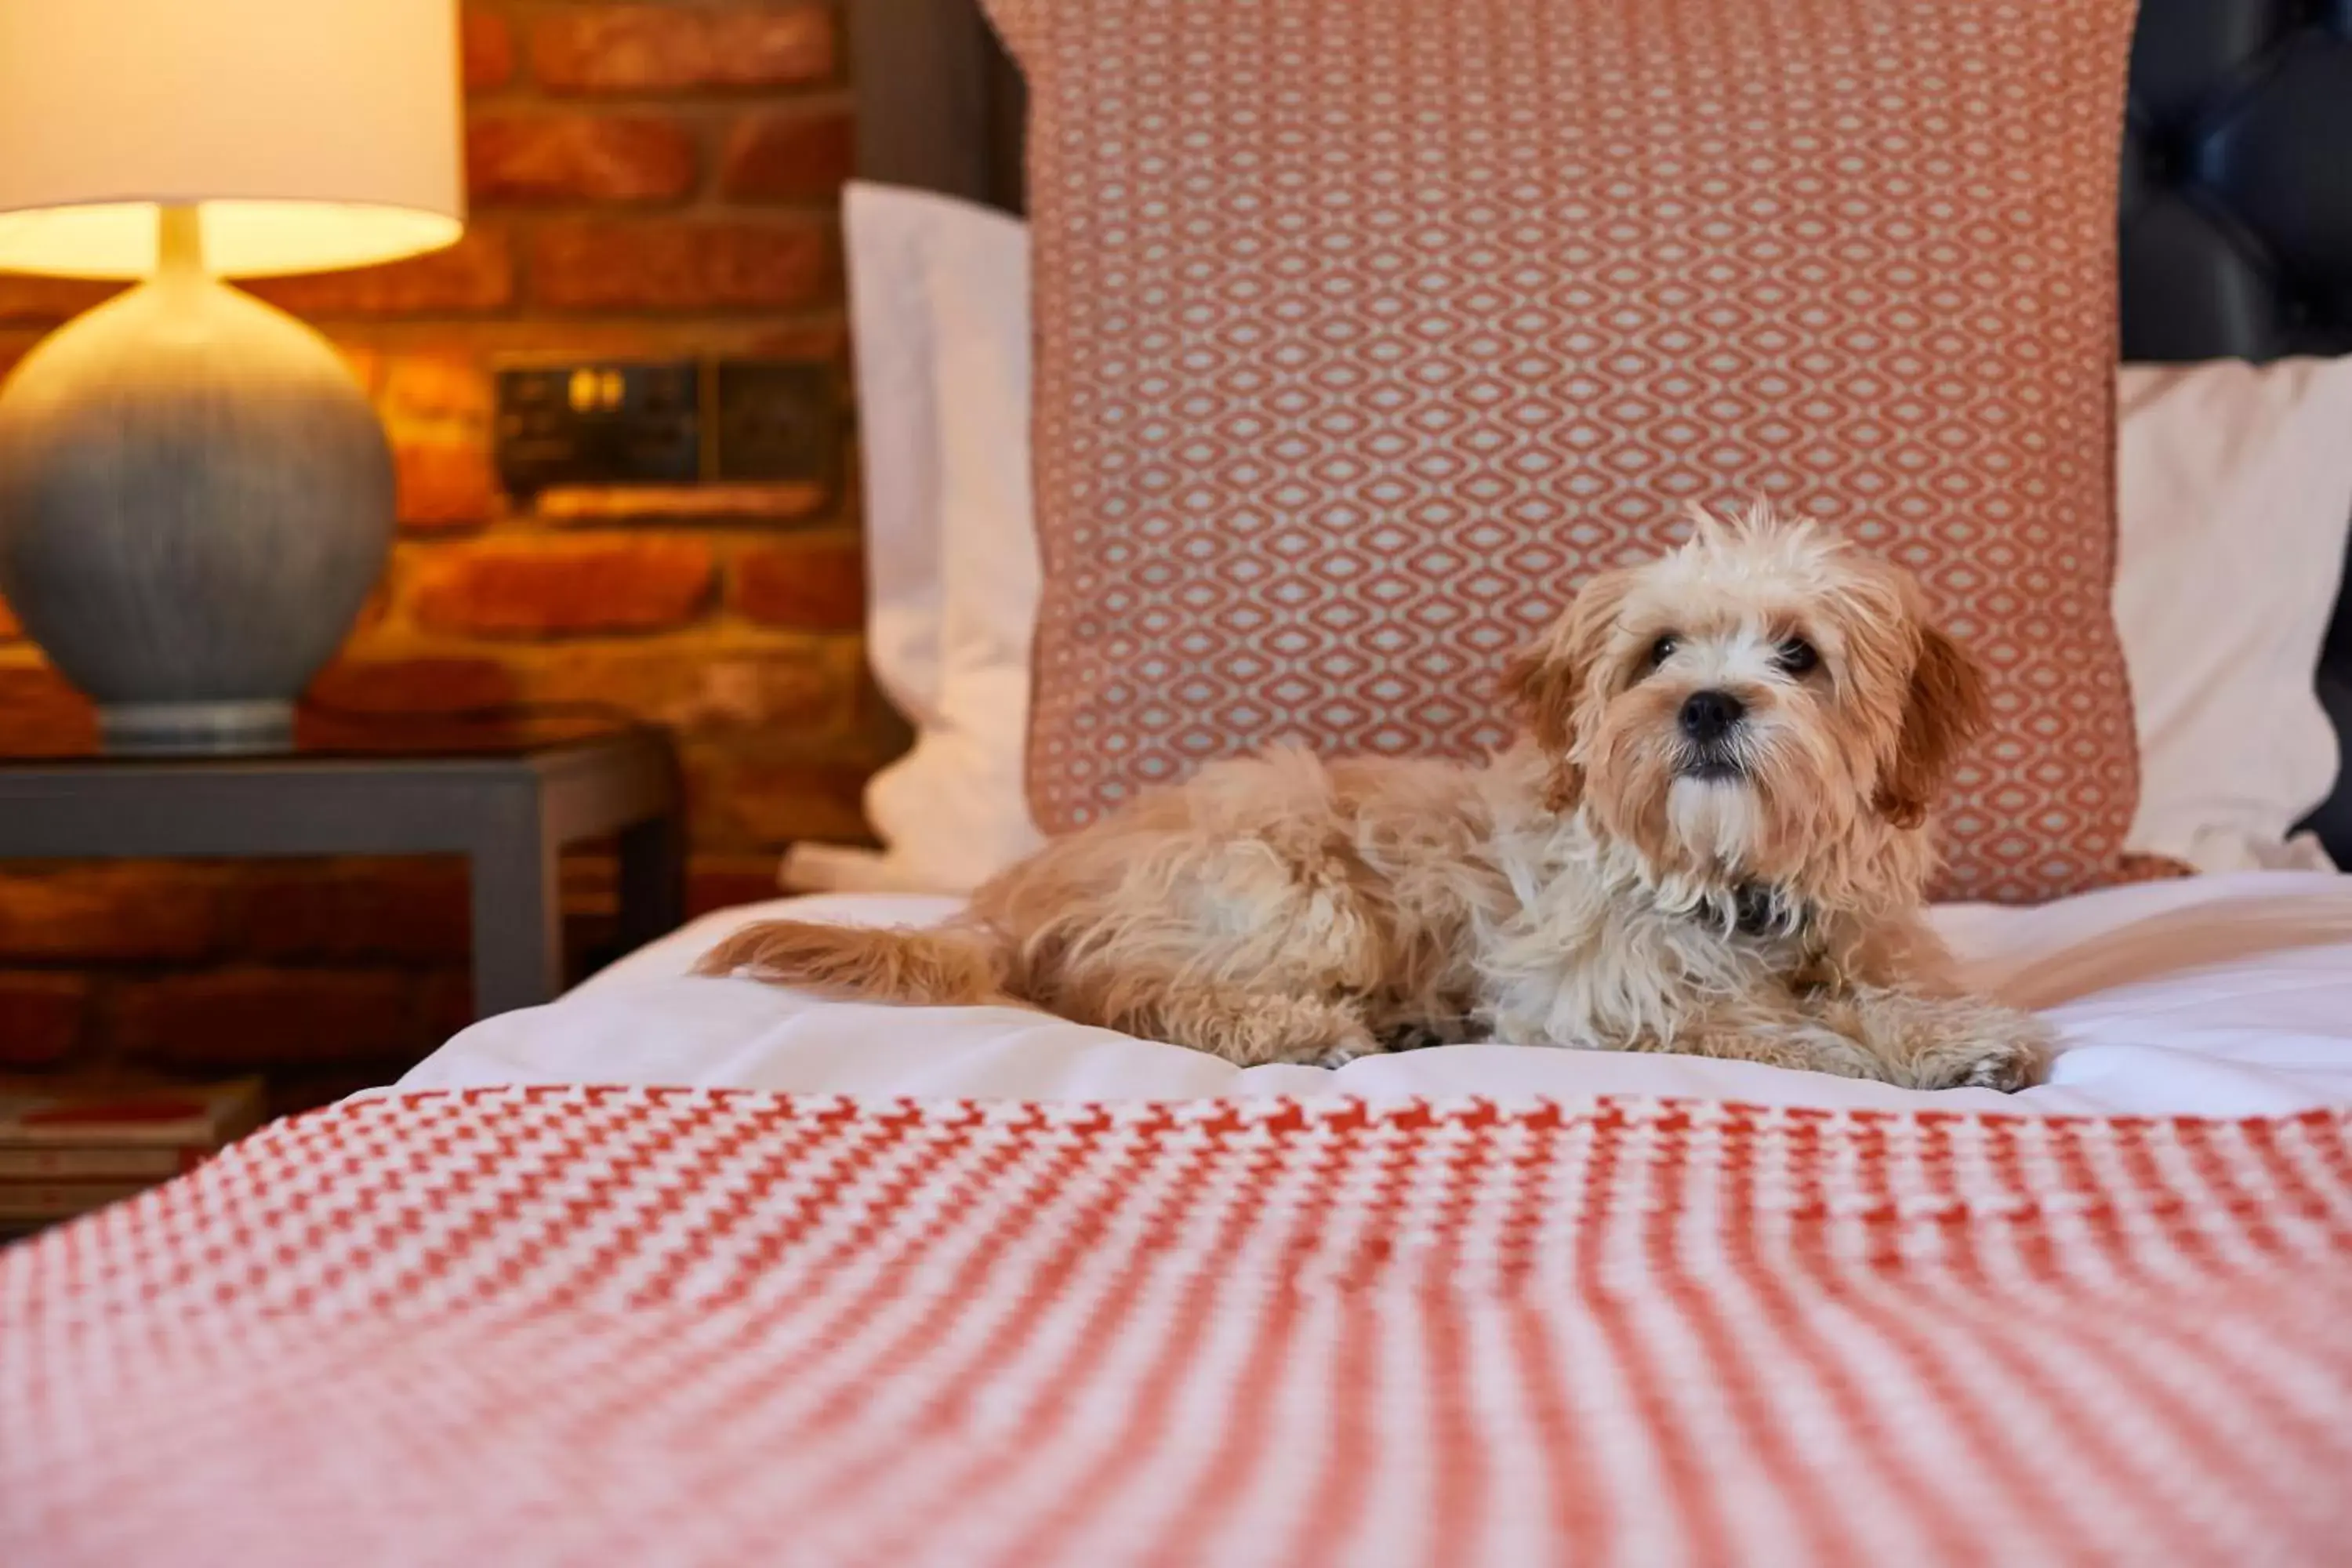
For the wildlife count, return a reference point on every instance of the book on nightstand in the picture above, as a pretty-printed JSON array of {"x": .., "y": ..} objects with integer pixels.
[{"x": 67, "y": 1147}]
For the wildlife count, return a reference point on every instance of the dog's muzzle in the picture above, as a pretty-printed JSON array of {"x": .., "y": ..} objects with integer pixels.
[{"x": 1710, "y": 721}]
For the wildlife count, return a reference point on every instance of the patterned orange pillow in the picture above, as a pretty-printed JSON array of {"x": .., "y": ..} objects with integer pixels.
[{"x": 1368, "y": 329}]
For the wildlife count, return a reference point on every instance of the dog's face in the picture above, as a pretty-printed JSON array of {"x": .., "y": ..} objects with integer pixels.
[{"x": 1760, "y": 706}]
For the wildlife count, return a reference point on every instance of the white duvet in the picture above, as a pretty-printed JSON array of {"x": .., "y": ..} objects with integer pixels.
[{"x": 2221, "y": 996}]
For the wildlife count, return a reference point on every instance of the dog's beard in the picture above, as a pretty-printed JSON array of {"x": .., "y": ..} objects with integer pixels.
[
  {"x": 1772, "y": 806},
  {"x": 1713, "y": 818}
]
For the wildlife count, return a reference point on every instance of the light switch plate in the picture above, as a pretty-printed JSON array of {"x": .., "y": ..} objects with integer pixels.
[{"x": 599, "y": 422}]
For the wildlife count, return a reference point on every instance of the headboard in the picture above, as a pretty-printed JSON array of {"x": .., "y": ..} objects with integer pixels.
[{"x": 2236, "y": 236}]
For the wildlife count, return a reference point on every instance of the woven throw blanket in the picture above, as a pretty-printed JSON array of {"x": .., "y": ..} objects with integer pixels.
[{"x": 642, "y": 1327}]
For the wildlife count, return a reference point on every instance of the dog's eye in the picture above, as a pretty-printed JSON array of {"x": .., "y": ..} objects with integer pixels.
[
  {"x": 1796, "y": 656},
  {"x": 1664, "y": 649}
]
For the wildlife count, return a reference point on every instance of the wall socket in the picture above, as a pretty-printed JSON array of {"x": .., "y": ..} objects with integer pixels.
[
  {"x": 776, "y": 420},
  {"x": 665, "y": 422}
]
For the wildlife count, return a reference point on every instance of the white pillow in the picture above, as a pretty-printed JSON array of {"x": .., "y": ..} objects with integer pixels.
[
  {"x": 2235, "y": 485},
  {"x": 938, "y": 295},
  {"x": 2235, "y": 493}
]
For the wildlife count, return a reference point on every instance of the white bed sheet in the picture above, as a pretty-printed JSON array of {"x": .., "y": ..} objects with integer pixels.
[{"x": 2223, "y": 995}]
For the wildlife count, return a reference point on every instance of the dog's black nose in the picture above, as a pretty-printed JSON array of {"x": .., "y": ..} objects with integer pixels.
[{"x": 1707, "y": 715}]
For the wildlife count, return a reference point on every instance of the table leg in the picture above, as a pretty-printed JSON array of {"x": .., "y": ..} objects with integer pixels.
[
  {"x": 517, "y": 907},
  {"x": 653, "y": 880}
]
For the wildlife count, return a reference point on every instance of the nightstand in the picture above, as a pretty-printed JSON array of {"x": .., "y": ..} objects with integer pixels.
[{"x": 508, "y": 804}]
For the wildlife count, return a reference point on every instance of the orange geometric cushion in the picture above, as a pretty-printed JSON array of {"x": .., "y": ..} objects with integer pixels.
[{"x": 1369, "y": 328}]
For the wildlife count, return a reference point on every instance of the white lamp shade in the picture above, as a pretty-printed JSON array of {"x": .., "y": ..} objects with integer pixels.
[{"x": 310, "y": 133}]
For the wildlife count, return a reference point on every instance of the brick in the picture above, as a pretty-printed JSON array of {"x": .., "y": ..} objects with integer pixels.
[
  {"x": 680, "y": 265},
  {"x": 443, "y": 482},
  {"x": 589, "y": 882},
  {"x": 486, "y": 46},
  {"x": 509, "y": 589},
  {"x": 444, "y": 1004},
  {"x": 473, "y": 277},
  {"x": 697, "y": 687},
  {"x": 438, "y": 407},
  {"x": 42, "y": 716},
  {"x": 779, "y": 156},
  {"x": 365, "y": 363},
  {"x": 373, "y": 613},
  {"x": 490, "y": 342},
  {"x": 402, "y": 686},
  {"x": 884, "y": 732},
  {"x": 690, "y": 685},
  {"x": 580, "y": 158},
  {"x": 739, "y": 798},
  {"x": 664, "y": 48},
  {"x": 588, "y": 886},
  {"x": 344, "y": 911},
  {"x": 113, "y": 912},
  {"x": 815, "y": 585},
  {"x": 41, "y": 1017},
  {"x": 799, "y": 341},
  {"x": 438, "y": 386},
  {"x": 730, "y": 883},
  {"x": 44, "y": 301},
  {"x": 765, "y": 501},
  {"x": 258, "y": 1017}
]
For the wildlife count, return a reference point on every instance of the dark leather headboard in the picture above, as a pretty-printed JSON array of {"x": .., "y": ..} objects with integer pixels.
[{"x": 2236, "y": 190}]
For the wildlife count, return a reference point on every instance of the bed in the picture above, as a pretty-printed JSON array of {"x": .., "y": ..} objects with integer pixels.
[
  {"x": 685, "y": 1270},
  {"x": 2215, "y": 995}
]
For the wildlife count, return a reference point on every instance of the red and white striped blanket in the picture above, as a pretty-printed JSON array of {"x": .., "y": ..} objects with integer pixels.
[{"x": 642, "y": 1327}]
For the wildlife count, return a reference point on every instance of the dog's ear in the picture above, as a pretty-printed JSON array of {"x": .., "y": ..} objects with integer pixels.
[
  {"x": 1544, "y": 688},
  {"x": 1550, "y": 679},
  {"x": 1944, "y": 711}
]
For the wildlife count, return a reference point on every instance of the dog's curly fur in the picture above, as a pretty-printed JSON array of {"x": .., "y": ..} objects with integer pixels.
[{"x": 1618, "y": 878}]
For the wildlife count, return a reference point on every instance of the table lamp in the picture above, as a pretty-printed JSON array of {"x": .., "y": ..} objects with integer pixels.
[{"x": 195, "y": 494}]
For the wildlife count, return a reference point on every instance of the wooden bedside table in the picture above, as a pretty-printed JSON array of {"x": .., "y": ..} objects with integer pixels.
[{"x": 510, "y": 806}]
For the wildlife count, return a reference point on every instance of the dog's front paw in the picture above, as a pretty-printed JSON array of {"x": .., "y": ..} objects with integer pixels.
[
  {"x": 1943, "y": 1042},
  {"x": 2008, "y": 1068},
  {"x": 1341, "y": 1052},
  {"x": 2011, "y": 1054}
]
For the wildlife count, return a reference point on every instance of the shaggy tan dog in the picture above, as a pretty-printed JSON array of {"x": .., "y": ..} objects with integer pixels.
[{"x": 1712, "y": 839}]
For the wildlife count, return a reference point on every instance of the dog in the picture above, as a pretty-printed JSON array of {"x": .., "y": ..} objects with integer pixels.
[{"x": 1711, "y": 838}]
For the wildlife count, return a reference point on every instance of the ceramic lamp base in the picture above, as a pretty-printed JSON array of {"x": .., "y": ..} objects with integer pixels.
[
  {"x": 195, "y": 499},
  {"x": 196, "y": 729}
]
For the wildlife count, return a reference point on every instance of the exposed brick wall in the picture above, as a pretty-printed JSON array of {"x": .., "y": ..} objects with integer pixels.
[{"x": 657, "y": 178}]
